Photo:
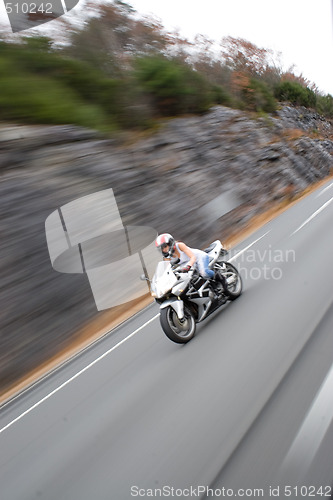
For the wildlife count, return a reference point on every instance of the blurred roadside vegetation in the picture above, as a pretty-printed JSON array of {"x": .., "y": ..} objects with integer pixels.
[{"x": 118, "y": 71}]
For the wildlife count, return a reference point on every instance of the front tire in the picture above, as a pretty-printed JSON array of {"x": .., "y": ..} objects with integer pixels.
[{"x": 176, "y": 330}]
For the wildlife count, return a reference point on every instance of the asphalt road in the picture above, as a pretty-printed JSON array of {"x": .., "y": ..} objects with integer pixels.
[{"x": 244, "y": 409}]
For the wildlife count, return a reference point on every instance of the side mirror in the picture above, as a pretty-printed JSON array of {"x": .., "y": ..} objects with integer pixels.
[{"x": 143, "y": 277}]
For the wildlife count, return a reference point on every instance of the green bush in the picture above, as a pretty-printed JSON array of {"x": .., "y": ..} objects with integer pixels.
[
  {"x": 38, "y": 85},
  {"x": 35, "y": 99},
  {"x": 261, "y": 97},
  {"x": 174, "y": 87},
  {"x": 53, "y": 88},
  {"x": 76, "y": 74},
  {"x": 221, "y": 95},
  {"x": 296, "y": 94},
  {"x": 325, "y": 105}
]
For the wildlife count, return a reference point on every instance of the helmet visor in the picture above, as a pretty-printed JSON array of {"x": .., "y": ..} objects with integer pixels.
[{"x": 165, "y": 249}]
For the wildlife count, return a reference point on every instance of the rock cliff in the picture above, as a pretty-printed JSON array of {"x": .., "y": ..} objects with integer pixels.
[{"x": 162, "y": 180}]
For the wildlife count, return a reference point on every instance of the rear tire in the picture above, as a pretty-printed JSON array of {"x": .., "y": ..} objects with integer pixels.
[
  {"x": 233, "y": 279},
  {"x": 174, "y": 329}
]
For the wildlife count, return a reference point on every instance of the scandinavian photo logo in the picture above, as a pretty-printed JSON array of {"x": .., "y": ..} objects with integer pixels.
[
  {"x": 87, "y": 236},
  {"x": 26, "y": 14}
]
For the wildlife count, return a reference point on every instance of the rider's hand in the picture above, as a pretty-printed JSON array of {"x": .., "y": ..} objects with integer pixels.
[{"x": 185, "y": 269}]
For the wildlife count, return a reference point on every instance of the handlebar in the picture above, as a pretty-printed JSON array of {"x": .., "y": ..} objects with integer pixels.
[{"x": 178, "y": 270}]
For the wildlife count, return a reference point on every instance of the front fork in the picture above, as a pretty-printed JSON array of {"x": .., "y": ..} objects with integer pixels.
[{"x": 177, "y": 305}]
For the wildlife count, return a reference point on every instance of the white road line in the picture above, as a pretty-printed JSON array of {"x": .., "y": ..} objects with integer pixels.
[
  {"x": 246, "y": 248},
  {"x": 312, "y": 432},
  {"x": 324, "y": 190},
  {"x": 313, "y": 215},
  {"x": 45, "y": 398}
]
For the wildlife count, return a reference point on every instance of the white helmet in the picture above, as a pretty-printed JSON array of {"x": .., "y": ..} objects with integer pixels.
[{"x": 164, "y": 240}]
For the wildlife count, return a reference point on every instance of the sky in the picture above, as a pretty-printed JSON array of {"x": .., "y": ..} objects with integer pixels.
[{"x": 302, "y": 30}]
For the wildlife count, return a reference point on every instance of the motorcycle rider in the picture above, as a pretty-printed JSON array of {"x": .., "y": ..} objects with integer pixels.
[{"x": 188, "y": 257}]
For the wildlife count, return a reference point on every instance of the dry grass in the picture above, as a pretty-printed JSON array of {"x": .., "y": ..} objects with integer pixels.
[{"x": 292, "y": 134}]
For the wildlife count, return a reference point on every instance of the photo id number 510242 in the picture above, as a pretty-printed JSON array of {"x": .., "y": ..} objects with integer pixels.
[{"x": 29, "y": 8}]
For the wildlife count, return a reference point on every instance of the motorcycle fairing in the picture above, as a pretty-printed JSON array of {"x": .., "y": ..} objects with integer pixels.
[{"x": 177, "y": 306}]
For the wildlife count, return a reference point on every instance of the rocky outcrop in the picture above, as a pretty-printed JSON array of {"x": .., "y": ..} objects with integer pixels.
[
  {"x": 162, "y": 180},
  {"x": 304, "y": 119}
]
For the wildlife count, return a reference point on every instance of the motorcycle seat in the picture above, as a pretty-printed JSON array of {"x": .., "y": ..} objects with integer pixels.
[{"x": 210, "y": 248}]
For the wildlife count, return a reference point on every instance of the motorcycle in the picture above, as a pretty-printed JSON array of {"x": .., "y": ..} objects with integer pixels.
[{"x": 186, "y": 299}]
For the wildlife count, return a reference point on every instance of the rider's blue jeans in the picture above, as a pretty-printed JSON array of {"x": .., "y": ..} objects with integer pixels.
[{"x": 203, "y": 267}]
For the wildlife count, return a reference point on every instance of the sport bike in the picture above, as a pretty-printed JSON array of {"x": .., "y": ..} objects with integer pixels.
[{"x": 187, "y": 298}]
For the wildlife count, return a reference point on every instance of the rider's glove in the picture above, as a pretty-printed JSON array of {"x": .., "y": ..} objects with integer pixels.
[{"x": 185, "y": 269}]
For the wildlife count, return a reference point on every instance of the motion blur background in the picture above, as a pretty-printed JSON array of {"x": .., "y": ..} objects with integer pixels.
[{"x": 111, "y": 99}]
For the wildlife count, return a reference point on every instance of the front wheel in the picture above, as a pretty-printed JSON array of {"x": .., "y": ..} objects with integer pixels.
[
  {"x": 233, "y": 279},
  {"x": 176, "y": 330}
]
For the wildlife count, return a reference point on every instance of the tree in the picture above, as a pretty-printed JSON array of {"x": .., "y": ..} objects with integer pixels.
[
  {"x": 243, "y": 56},
  {"x": 111, "y": 38}
]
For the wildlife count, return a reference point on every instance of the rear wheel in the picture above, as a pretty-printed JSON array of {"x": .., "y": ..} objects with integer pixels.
[
  {"x": 176, "y": 330},
  {"x": 234, "y": 285}
]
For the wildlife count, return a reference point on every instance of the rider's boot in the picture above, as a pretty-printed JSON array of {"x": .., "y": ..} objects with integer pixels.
[{"x": 219, "y": 280}]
